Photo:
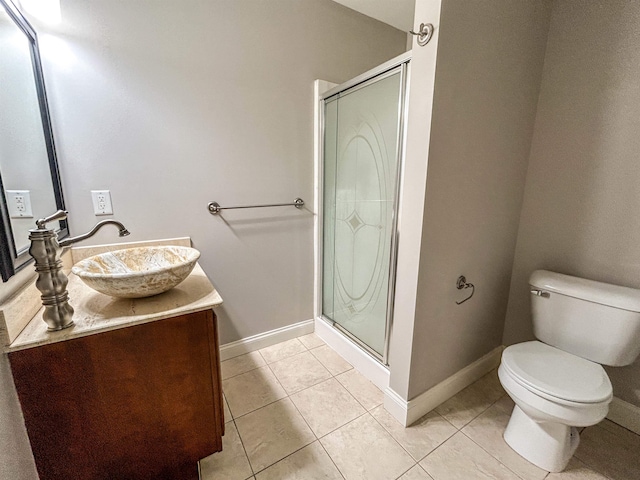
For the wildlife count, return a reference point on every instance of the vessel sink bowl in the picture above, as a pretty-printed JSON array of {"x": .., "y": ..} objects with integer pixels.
[{"x": 137, "y": 272}]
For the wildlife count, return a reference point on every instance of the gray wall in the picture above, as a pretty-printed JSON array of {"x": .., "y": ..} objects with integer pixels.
[
  {"x": 582, "y": 196},
  {"x": 490, "y": 57},
  {"x": 171, "y": 105}
]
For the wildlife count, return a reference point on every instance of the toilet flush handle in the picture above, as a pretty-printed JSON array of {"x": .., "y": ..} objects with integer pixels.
[{"x": 540, "y": 293}]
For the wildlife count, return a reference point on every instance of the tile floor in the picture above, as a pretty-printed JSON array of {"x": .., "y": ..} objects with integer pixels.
[{"x": 297, "y": 410}]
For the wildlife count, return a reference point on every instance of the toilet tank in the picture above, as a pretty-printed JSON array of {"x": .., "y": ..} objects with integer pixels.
[{"x": 593, "y": 320}]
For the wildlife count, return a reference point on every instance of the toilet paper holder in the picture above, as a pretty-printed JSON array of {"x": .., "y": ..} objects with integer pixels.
[{"x": 461, "y": 284}]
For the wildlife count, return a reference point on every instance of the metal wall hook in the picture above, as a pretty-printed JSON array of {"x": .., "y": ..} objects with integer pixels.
[
  {"x": 461, "y": 284},
  {"x": 424, "y": 34}
]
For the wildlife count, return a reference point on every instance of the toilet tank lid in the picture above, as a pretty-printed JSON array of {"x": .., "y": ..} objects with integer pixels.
[{"x": 624, "y": 298}]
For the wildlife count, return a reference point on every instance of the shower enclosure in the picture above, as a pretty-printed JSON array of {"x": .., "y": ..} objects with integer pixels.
[{"x": 362, "y": 158}]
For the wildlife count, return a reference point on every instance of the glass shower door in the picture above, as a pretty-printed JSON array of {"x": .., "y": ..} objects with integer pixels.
[{"x": 361, "y": 152}]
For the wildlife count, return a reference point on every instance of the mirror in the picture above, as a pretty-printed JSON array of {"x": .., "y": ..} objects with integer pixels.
[{"x": 29, "y": 180}]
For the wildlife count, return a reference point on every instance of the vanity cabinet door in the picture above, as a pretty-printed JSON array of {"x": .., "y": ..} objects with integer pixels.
[{"x": 142, "y": 402}]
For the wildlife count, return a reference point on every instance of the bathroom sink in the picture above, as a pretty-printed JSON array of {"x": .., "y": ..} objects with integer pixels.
[{"x": 137, "y": 272}]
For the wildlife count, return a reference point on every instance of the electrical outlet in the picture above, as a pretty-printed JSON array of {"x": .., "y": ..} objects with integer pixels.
[
  {"x": 101, "y": 202},
  {"x": 19, "y": 203}
]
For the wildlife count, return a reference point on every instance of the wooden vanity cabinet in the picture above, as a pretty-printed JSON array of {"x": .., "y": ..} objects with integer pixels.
[{"x": 141, "y": 402}]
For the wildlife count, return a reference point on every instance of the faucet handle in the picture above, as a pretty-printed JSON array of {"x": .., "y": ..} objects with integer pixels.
[{"x": 59, "y": 215}]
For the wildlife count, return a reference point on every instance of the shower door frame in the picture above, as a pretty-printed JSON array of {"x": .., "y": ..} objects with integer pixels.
[{"x": 401, "y": 64}]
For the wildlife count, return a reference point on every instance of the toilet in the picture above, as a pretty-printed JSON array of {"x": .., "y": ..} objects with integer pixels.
[{"x": 558, "y": 383}]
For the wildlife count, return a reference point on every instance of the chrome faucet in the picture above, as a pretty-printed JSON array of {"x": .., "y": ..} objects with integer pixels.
[{"x": 52, "y": 282}]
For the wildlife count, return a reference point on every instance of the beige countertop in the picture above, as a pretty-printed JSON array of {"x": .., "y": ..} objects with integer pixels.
[{"x": 96, "y": 312}]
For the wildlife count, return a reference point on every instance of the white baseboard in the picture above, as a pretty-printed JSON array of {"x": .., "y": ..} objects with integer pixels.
[
  {"x": 408, "y": 412},
  {"x": 624, "y": 414},
  {"x": 397, "y": 406},
  {"x": 368, "y": 366},
  {"x": 266, "y": 339}
]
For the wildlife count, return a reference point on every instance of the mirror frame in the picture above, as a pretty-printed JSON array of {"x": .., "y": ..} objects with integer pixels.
[{"x": 11, "y": 260}]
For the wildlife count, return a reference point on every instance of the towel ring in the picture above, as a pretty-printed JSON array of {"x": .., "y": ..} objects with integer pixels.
[{"x": 461, "y": 284}]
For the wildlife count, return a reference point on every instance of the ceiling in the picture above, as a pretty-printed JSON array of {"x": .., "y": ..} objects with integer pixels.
[{"x": 397, "y": 13}]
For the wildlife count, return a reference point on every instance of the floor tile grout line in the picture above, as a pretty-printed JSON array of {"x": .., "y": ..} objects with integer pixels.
[
  {"x": 438, "y": 446},
  {"x": 224, "y": 397},
  {"x": 331, "y": 458},
  {"x": 288, "y": 395},
  {"x": 317, "y": 439},
  {"x": 295, "y": 355},
  {"x": 294, "y": 405},
  {"x": 388, "y": 433},
  {"x": 242, "y": 373},
  {"x": 424, "y": 456},
  {"x": 302, "y": 416},
  {"x": 289, "y": 357},
  {"x": 405, "y": 472},
  {"x": 284, "y": 358},
  {"x": 294, "y": 393},
  {"x": 266, "y": 404},
  {"x": 476, "y": 443},
  {"x": 480, "y": 413},
  {"x": 341, "y": 426},
  {"x": 340, "y": 373},
  {"x": 259, "y": 408},
  {"x": 295, "y": 338},
  {"x": 391, "y": 435},
  {"x": 244, "y": 448},
  {"x": 443, "y": 418},
  {"x": 315, "y": 385},
  {"x": 262, "y": 356},
  {"x": 297, "y": 450},
  {"x": 496, "y": 458},
  {"x": 322, "y": 344},
  {"x": 329, "y": 433},
  {"x": 333, "y": 376},
  {"x": 432, "y": 451},
  {"x": 285, "y": 457},
  {"x": 588, "y": 464},
  {"x": 315, "y": 435},
  {"x": 337, "y": 428},
  {"x": 297, "y": 391},
  {"x": 345, "y": 387}
]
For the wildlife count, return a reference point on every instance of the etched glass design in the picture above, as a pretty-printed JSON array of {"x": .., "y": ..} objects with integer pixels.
[{"x": 360, "y": 181}]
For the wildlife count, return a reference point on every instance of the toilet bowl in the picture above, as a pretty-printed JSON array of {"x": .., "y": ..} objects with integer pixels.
[
  {"x": 558, "y": 383},
  {"x": 554, "y": 392}
]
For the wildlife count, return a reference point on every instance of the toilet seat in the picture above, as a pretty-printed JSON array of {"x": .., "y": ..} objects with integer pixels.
[{"x": 556, "y": 375}]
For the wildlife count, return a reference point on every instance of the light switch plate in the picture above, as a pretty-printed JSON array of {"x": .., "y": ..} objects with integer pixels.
[
  {"x": 19, "y": 203},
  {"x": 101, "y": 202}
]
